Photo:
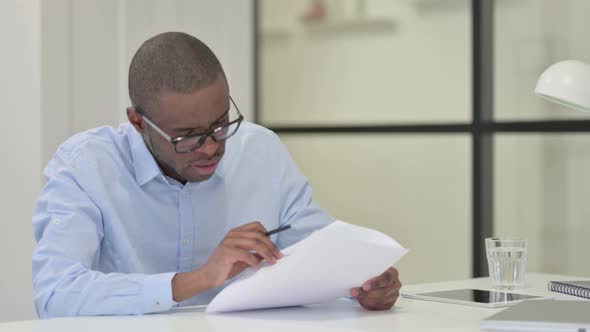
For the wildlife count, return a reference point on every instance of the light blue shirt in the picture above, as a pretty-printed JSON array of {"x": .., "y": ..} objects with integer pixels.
[{"x": 112, "y": 230}]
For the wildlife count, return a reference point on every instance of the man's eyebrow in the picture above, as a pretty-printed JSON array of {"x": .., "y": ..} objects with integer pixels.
[{"x": 189, "y": 130}]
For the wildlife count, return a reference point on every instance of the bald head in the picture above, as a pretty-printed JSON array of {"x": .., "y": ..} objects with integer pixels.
[{"x": 171, "y": 61}]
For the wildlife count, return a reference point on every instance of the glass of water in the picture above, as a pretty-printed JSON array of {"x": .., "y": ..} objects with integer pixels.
[{"x": 506, "y": 262}]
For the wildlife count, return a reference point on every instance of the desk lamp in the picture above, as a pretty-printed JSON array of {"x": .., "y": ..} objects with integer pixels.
[{"x": 566, "y": 83}]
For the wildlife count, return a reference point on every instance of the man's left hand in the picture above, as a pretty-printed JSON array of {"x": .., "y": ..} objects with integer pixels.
[{"x": 379, "y": 293}]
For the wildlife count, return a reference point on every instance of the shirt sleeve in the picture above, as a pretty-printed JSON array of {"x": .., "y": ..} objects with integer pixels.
[
  {"x": 68, "y": 230},
  {"x": 297, "y": 207}
]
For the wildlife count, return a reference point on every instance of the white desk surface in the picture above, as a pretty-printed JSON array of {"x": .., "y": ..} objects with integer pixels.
[{"x": 342, "y": 315}]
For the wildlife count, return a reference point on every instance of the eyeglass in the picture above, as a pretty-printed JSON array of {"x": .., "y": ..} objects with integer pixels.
[{"x": 189, "y": 143}]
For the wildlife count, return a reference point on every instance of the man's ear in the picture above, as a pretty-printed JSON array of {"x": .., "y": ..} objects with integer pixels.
[{"x": 135, "y": 119}]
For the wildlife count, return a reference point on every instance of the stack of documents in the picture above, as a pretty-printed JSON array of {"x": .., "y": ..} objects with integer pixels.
[{"x": 321, "y": 268}]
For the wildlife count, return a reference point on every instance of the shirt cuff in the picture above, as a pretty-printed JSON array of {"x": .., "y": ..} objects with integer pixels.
[{"x": 157, "y": 292}]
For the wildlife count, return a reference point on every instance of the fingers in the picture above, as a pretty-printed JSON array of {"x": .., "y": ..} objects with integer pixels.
[
  {"x": 251, "y": 237},
  {"x": 388, "y": 277},
  {"x": 379, "y": 293},
  {"x": 260, "y": 238},
  {"x": 255, "y": 226},
  {"x": 377, "y": 299},
  {"x": 246, "y": 257},
  {"x": 357, "y": 293},
  {"x": 241, "y": 247},
  {"x": 377, "y": 305},
  {"x": 268, "y": 251}
]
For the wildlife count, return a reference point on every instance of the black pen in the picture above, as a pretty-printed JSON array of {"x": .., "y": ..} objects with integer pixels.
[{"x": 276, "y": 230}]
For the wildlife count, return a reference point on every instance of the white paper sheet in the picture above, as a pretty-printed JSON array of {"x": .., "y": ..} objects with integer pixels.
[{"x": 322, "y": 267}]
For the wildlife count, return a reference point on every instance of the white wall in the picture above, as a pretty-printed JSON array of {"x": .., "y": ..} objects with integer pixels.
[
  {"x": 70, "y": 57},
  {"x": 525, "y": 45},
  {"x": 88, "y": 45},
  {"x": 395, "y": 61},
  {"x": 20, "y": 102},
  {"x": 416, "y": 188},
  {"x": 542, "y": 182},
  {"x": 419, "y": 71}
]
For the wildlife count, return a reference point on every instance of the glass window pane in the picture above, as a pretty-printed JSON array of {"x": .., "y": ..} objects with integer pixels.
[
  {"x": 366, "y": 62},
  {"x": 415, "y": 188},
  {"x": 530, "y": 35},
  {"x": 542, "y": 187}
]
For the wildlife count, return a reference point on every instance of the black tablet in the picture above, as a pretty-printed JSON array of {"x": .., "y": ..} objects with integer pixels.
[{"x": 474, "y": 297}]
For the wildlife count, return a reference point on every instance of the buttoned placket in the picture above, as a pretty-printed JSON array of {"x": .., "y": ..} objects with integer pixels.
[{"x": 186, "y": 217}]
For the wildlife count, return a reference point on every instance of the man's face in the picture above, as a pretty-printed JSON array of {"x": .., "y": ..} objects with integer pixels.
[{"x": 187, "y": 114}]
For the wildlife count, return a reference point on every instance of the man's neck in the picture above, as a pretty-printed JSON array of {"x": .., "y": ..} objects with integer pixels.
[{"x": 171, "y": 173}]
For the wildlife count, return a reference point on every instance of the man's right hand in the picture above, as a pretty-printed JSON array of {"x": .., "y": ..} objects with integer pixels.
[{"x": 242, "y": 247}]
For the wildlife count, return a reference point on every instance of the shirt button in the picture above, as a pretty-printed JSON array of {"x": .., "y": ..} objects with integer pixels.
[{"x": 185, "y": 242}]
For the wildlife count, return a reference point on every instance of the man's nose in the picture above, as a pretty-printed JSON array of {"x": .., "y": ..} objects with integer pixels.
[{"x": 208, "y": 148}]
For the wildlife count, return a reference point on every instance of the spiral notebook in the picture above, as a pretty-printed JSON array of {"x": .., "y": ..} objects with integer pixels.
[{"x": 579, "y": 288}]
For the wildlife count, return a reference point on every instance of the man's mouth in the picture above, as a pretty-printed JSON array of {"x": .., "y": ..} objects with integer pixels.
[{"x": 206, "y": 168}]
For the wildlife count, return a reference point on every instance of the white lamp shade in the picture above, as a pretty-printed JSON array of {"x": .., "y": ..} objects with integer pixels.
[{"x": 567, "y": 83}]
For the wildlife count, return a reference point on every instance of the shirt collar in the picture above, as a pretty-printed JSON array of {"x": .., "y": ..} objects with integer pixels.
[{"x": 146, "y": 167}]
